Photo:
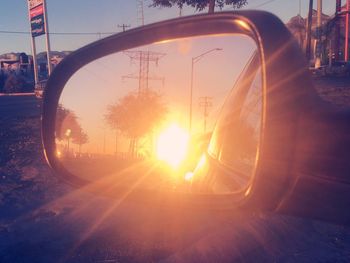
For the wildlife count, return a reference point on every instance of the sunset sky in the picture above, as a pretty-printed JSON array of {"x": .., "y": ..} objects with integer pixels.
[
  {"x": 100, "y": 83},
  {"x": 104, "y": 16},
  {"x": 104, "y": 76}
]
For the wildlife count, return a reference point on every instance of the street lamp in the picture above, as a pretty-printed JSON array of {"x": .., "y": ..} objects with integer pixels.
[
  {"x": 68, "y": 134},
  {"x": 195, "y": 60}
]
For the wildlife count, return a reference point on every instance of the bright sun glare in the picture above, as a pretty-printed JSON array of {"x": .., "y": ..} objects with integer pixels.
[{"x": 172, "y": 145}]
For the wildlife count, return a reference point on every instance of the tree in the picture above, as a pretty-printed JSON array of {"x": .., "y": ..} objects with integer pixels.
[
  {"x": 136, "y": 115},
  {"x": 2, "y": 80},
  {"x": 297, "y": 26},
  {"x": 66, "y": 122},
  {"x": 199, "y": 4},
  {"x": 80, "y": 138},
  {"x": 68, "y": 128},
  {"x": 14, "y": 83}
]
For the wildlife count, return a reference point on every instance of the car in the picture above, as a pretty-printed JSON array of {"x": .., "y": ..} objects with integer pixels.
[{"x": 276, "y": 146}]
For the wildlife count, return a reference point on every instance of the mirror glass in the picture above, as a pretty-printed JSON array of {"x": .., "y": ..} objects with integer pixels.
[{"x": 147, "y": 115}]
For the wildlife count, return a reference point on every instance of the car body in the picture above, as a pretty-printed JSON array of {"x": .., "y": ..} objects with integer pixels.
[{"x": 303, "y": 142}]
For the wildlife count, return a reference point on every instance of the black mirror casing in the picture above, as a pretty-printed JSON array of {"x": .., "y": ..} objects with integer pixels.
[{"x": 292, "y": 110}]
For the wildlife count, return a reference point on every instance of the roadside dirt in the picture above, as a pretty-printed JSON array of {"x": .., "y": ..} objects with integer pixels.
[
  {"x": 334, "y": 89},
  {"x": 44, "y": 220}
]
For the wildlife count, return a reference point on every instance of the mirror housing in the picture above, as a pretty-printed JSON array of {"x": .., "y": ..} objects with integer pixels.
[{"x": 284, "y": 178}]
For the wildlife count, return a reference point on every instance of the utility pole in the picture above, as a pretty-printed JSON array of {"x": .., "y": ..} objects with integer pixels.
[
  {"x": 180, "y": 11},
  {"x": 308, "y": 32},
  {"x": 195, "y": 60},
  {"x": 48, "y": 48},
  {"x": 347, "y": 21},
  {"x": 144, "y": 58},
  {"x": 140, "y": 14},
  {"x": 318, "y": 33},
  {"x": 205, "y": 103},
  {"x": 116, "y": 142},
  {"x": 104, "y": 141},
  {"x": 337, "y": 29},
  {"x": 124, "y": 26},
  {"x": 301, "y": 39}
]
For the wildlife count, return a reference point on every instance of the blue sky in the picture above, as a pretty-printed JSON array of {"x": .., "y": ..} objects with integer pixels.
[{"x": 104, "y": 16}]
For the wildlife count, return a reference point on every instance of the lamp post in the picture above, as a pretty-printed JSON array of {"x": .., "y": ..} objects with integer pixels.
[
  {"x": 68, "y": 134},
  {"x": 195, "y": 60}
]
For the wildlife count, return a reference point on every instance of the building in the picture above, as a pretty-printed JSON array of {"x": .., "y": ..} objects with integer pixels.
[
  {"x": 17, "y": 70},
  {"x": 332, "y": 35},
  {"x": 17, "y": 63}
]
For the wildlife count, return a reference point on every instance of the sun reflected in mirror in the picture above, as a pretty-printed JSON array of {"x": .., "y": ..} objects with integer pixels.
[
  {"x": 188, "y": 176},
  {"x": 146, "y": 115},
  {"x": 172, "y": 145}
]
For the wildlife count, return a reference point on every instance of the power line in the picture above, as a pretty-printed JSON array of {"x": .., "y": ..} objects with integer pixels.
[
  {"x": 14, "y": 32},
  {"x": 264, "y": 3},
  {"x": 124, "y": 26},
  {"x": 205, "y": 103},
  {"x": 254, "y": 6},
  {"x": 140, "y": 13},
  {"x": 58, "y": 33}
]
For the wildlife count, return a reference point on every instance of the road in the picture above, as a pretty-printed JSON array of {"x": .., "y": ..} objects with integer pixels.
[
  {"x": 19, "y": 105},
  {"x": 334, "y": 89},
  {"x": 44, "y": 220}
]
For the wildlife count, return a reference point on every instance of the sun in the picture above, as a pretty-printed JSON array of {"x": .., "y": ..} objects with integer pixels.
[{"x": 172, "y": 145}]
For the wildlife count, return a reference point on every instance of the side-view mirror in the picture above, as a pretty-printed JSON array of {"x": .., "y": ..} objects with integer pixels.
[{"x": 214, "y": 111}]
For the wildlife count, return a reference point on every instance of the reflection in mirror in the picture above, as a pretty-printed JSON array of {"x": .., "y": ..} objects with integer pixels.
[
  {"x": 146, "y": 115},
  {"x": 235, "y": 141}
]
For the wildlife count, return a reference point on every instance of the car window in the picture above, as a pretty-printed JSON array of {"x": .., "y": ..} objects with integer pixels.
[
  {"x": 235, "y": 140},
  {"x": 244, "y": 136}
]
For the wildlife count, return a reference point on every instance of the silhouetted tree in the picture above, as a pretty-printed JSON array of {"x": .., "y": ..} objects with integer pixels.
[
  {"x": 297, "y": 26},
  {"x": 14, "y": 83},
  {"x": 2, "y": 80},
  {"x": 136, "y": 115},
  {"x": 68, "y": 128},
  {"x": 61, "y": 120},
  {"x": 200, "y": 4},
  {"x": 80, "y": 138}
]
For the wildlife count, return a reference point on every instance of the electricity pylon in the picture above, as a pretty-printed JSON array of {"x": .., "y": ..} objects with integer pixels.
[{"x": 144, "y": 58}]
